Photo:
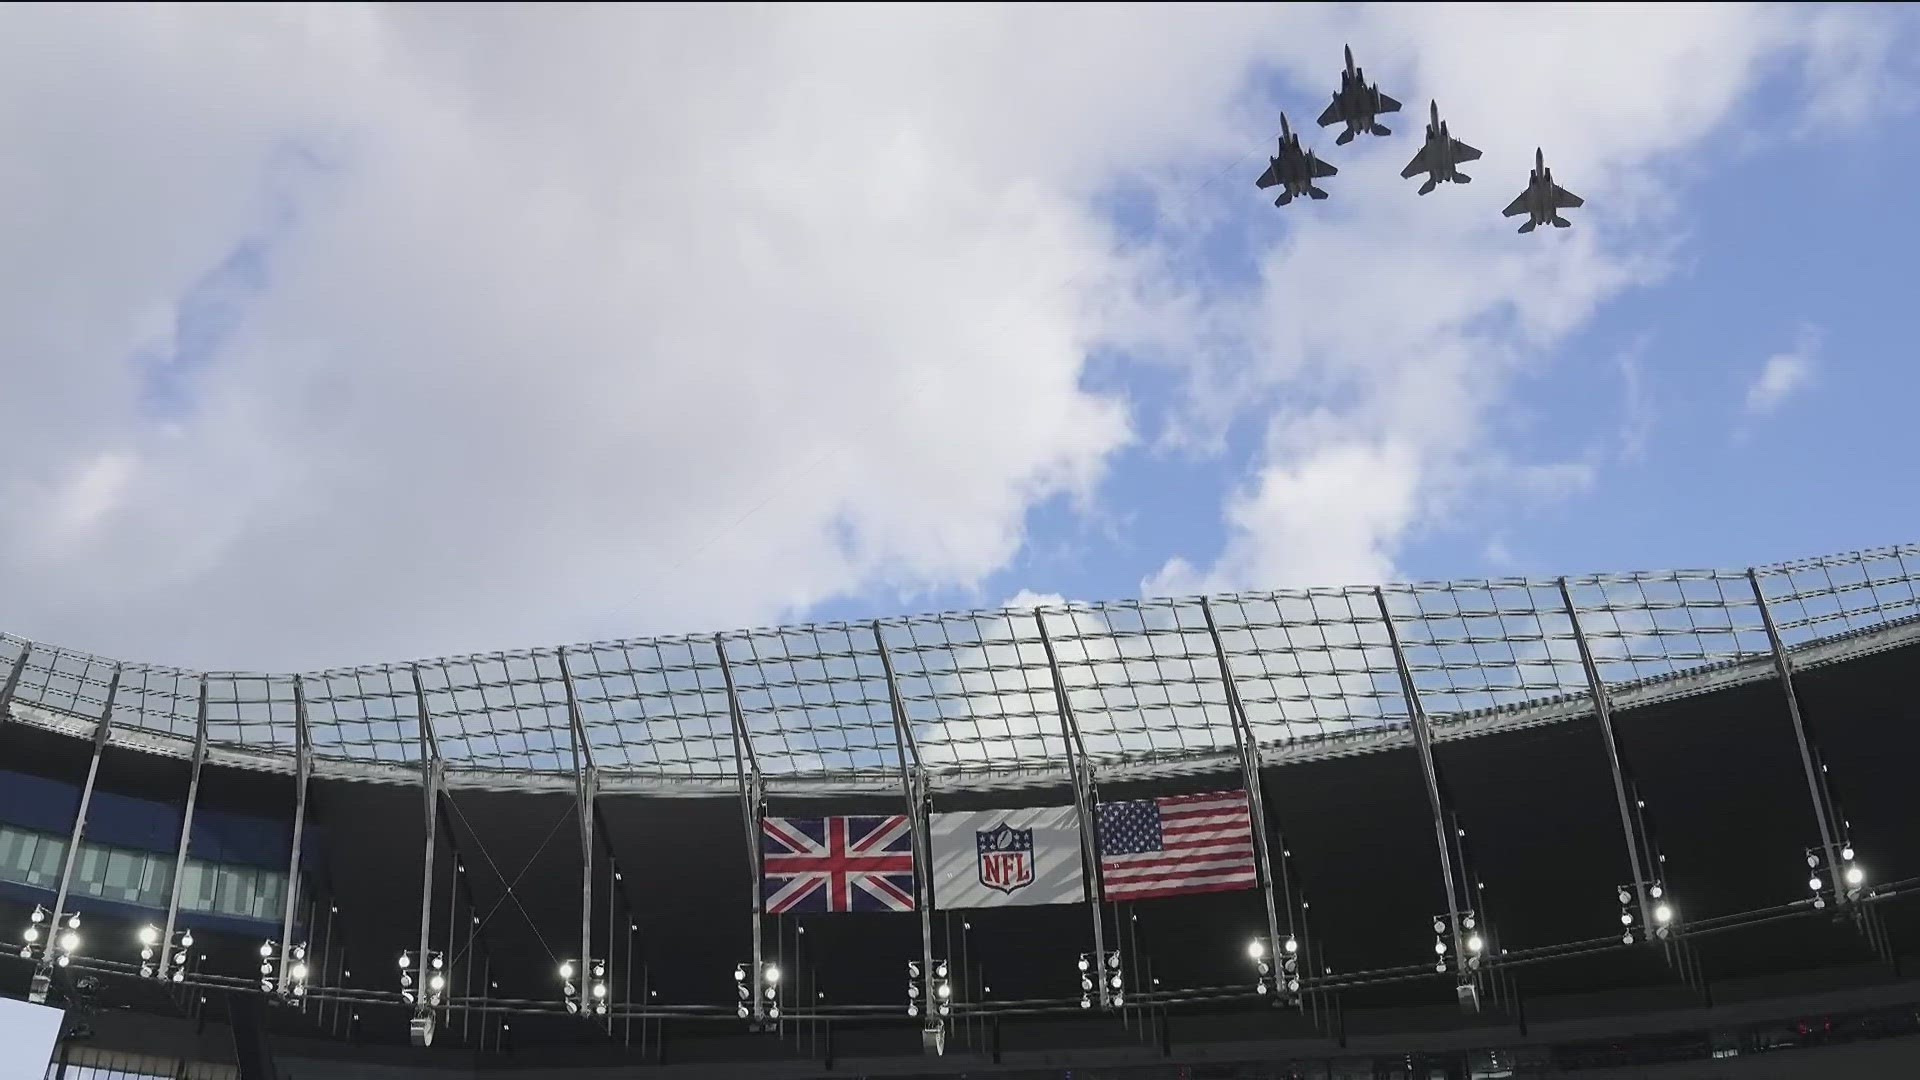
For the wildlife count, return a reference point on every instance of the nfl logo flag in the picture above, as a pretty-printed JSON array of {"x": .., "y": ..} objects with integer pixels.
[
  {"x": 836, "y": 864},
  {"x": 1181, "y": 844},
  {"x": 1007, "y": 857}
]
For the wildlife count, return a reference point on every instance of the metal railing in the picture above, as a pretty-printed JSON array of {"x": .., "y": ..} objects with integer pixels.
[{"x": 1313, "y": 670}]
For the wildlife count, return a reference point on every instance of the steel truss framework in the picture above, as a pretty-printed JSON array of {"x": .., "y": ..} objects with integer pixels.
[{"x": 1068, "y": 695}]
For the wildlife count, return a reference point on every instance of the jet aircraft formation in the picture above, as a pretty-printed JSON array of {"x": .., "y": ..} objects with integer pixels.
[{"x": 1358, "y": 105}]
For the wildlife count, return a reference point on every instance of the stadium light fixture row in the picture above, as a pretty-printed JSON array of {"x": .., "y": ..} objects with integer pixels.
[
  {"x": 768, "y": 984},
  {"x": 151, "y": 948},
  {"x": 938, "y": 989},
  {"x": 589, "y": 998},
  {"x": 1663, "y": 912},
  {"x": 1282, "y": 984},
  {"x": 1472, "y": 939},
  {"x": 1115, "y": 991},
  {"x": 1849, "y": 876}
]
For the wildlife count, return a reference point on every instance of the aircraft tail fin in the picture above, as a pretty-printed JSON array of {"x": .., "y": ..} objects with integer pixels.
[
  {"x": 1345, "y": 138},
  {"x": 1315, "y": 192},
  {"x": 1560, "y": 222},
  {"x": 1381, "y": 129},
  {"x": 1528, "y": 227},
  {"x": 1285, "y": 198},
  {"x": 1429, "y": 185},
  {"x": 1462, "y": 178}
]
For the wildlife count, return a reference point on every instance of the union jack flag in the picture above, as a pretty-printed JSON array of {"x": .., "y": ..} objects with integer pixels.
[{"x": 836, "y": 864}]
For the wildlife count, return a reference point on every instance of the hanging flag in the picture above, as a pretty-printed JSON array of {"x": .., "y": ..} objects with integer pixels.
[
  {"x": 1006, "y": 857},
  {"x": 836, "y": 864},
  {"x": 1180, "y": 844}
]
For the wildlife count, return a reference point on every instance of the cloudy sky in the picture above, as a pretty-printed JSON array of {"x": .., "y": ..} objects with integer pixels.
[{"x": 341, "y": 334}]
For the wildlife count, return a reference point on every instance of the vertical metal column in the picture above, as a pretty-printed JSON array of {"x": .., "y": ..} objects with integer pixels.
[
  {"x": 747, "y": 767},
  {"x": 303, "y": 771},
  {"x": 1816, "y": 788},
  {"x": 913, "y": 784},
  {"x": 1423, "y": 743},
  {"x": 432, "y": 778},
  {"x": 586, "y": 785},
  {"x": 1249, "y": 749},
  {"x": 12, "y": 683},
  {"x": 186, "y": 830},
  {"x": 1089, "y": 844},
  {"x": 100, "y": 733},
  {"x": 1603, "y": 711}
]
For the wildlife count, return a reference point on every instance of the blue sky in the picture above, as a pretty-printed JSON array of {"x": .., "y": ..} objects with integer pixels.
[
  {"x": 1789, "y": 244},
  {"x": 351, "y": 334}
]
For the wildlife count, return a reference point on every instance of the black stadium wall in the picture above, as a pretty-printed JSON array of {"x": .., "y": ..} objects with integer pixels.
[{"x": 1718, "y": 789}]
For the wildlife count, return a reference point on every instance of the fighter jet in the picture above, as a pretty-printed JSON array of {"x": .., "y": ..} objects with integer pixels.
[
  {"x": 1294, "y": 167},
  {"x": 1543, "y": 199},
  {"x": 1357, "y": 104},
  {"x": 1441, "y": 157}
]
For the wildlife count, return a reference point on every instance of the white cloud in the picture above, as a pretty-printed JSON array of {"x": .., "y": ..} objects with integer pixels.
[
  {"x": 597, "y": 321},
  {"x": 614, "y": 320},
  {"x": 1391, "y": 328},
  {"x": 1027, "y": 600},
  {"x": 1782, "y": 375}
]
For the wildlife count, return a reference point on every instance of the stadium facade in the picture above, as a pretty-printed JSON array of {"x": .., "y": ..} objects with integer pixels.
[{"x": 1483, "y": 828}]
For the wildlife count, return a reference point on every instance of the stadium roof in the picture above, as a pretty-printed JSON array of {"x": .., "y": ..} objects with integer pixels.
[{"x": 976, "y": 698}]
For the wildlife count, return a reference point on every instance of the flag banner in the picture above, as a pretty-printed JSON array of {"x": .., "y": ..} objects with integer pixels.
[
  {"x": 836, "y": 864},
  {"x": 1007, "y": 857},
  {"x": 1180, "y": 844}
]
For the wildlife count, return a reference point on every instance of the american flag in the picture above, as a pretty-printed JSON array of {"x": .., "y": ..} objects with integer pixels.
[
  {"x": 836, "y": 864},
  {"x": 1180, "y": 844}
]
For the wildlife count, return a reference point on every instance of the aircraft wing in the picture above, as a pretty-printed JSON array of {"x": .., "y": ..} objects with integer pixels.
[
  {"x": 1386, "y": 104},
  {"x": 1517, "y": 206},
  {"x": 1321, "y": 168},
  {"x": 1463, "y": 152},
  {"x": 1420, "y": 163},
  {"x": 1332, "y": 115},
  {"x": 1270, "y": 177},
  {"x": 1566, "y": 200}
]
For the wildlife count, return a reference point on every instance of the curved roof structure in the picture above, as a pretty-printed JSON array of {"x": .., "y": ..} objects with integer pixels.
[{"x": 990, "y": 699}]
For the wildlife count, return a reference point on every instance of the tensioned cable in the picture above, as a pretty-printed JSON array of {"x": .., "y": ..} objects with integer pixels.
[{"x": 510, "y": 894}]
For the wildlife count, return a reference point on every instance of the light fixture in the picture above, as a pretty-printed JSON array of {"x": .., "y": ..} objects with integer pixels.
[
  {"x": 1847, "y": 853},
  {"x": 1292, "y": 946},
  {"x": 1854, "y": 875},
  {"x": 149, "y": 936},
  {"x": 1663, "y": 914},
  {"x": 566, "y": 969},
  {"x": 1256, "y": 949},
  {"x": 1814, "y": 883},
  {"x": 1474, "y": 944},
  {"x": 266, "y": 949},
  {"x": 405, "y": 961},
  {"x": 771, "y": 973}
]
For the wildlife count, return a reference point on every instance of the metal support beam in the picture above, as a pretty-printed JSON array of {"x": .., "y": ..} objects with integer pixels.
[
  {"x": 1603, "y": 711},
  {"x": 302, "y": 773},
  {"x": 1083, "y": 805},
  {"x": 1816, "y": 786},
  {"x": 186, "y": 832},
  {"x": 12, "y": 683},
  {"x": 752, "y": 797},
  {"x": 432, "y": 779},
  {"x": 1423, "y": 745},
  {"x": 1249, "y": 749},
  {"x": 913, "y": 784},
  {"x": 586, "y": 786},
  {"x": 100, "y": 732}
]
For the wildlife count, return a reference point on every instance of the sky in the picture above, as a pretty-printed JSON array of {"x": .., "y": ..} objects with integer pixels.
[{"x": 341, "y": 334}]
